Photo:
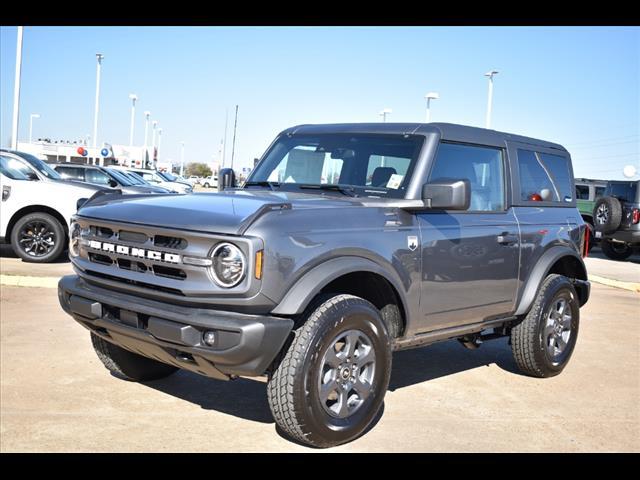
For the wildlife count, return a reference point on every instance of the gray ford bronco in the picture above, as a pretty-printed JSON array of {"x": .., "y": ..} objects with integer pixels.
[{"x": 346, "y": 243}]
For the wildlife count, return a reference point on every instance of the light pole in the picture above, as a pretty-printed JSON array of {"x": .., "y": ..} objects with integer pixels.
[
  {"x": 490, "y": 74},
  {"x": 383, "y": 113},
  {"x": 153, "y": 140},
  {"x": 99, "y": 58},
  {"x": 430, "y": 96},
  {"x": 133, "y": 97},
  {"x": 16, "y": 92},
  {"x": 31, "y": 117},
  {"x": 147, "y": 114},
  {"x": 159, "y": 142},
  {"x": 181, "y": 158}
]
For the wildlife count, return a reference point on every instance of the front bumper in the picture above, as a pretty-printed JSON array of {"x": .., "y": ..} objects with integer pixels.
[{"x": 244, "y": 345}]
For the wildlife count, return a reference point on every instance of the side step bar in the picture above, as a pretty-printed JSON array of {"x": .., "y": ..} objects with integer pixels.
[{"x": 448, "y": 334}]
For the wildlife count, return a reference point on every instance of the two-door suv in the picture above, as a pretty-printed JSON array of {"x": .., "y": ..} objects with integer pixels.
[{"x": 346, "y": 243}]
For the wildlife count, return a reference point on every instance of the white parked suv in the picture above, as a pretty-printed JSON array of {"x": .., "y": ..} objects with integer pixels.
[
  {"x": 155, "y": 178},
  {"x": 37, "y": 205}
]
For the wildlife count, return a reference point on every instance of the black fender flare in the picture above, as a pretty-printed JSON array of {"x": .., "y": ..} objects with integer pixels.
[
  {"x": 540, "y": 272},
  {"x": 311, "y": 283}
]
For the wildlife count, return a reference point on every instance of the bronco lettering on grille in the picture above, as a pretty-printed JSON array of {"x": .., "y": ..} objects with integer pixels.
[{"x": 135, "y": 252}]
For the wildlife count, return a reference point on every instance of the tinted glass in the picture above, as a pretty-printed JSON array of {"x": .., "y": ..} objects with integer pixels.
[
  {"x": 600, "y": 191},
  {"x": 482, "y": 166},
  {"x": 625, "y": 191},
  {"x": 374, "y": 165},
  {"x": 93, "y": 175},
  {"x": 12, "y": 168},
  {"x": 39, "y": 165},
  {"x": 70, "y": 173},
  {"x": 544, "y": 177},
  {"x": 582, "y": 192},
  {"x": 19, "y": 166},
  {"x": 119, "y": 177}
]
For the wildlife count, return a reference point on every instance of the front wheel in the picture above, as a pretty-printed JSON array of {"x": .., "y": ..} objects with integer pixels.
[
  {"x": 38, "y": 237},
  {"x": 543, "y": 342},
  {"x": 332, "y": 380},
  {"x": 616, "y": 250}
]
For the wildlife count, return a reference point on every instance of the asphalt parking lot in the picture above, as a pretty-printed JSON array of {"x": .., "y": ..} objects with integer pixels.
[{"x": 56, "y": 396}]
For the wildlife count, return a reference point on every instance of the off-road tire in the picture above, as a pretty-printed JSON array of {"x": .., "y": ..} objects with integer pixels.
[
  {"x": 53, "y": 224},
  {"x": 607, "y": 214},
  {"x": 615, "y": 250},
  {"x": 292, "y": 389},
  {"x": 527, "y": 342},
  {"x": 129, "y": 365}
]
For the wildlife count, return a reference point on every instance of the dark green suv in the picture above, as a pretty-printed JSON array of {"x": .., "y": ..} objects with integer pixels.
[{"x": 588, "y": 191}]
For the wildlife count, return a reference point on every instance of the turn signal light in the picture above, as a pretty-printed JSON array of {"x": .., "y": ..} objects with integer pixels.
[{"x": 258, "y": 273}]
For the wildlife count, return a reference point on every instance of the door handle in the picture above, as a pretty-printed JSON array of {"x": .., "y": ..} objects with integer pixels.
[{"x": 507, "y": 238}]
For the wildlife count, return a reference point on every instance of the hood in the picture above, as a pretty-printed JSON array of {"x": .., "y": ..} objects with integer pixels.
[
  {"x": 227, "y": 213},
  {"x": 143, "y": 189},
  {"x": 81, "y": 188}
]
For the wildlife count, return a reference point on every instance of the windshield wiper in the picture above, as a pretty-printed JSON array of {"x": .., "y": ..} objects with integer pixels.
[
  {"x": 349, "y": 191},
  {"x": 263, "y": 183}
]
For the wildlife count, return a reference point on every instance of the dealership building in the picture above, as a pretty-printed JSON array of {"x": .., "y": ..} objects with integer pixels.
[{"x": 79, "y": 152}]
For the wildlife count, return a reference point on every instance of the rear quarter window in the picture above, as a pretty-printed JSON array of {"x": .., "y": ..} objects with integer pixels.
[{"x": 544, "y": 177}]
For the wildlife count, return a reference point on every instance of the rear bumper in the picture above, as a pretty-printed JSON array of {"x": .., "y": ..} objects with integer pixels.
[
  {"x": 626, "y": 236},
  {"x": 244, "y": 344}
]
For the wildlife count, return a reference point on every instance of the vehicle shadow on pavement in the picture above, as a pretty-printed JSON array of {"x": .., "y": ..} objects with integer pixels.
[
  {"x": 447, "y": 358},
  {"x": 7, "y": 252},
  {"x": 245, "y": 398}
]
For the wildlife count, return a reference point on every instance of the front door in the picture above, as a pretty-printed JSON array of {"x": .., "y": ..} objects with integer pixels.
[{"x": 470, "y": 259}]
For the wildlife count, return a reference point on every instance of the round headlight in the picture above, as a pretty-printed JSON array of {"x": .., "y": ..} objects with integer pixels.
[
  {"x": 229, "y": 265},
  {"x": 74, "y": 239}
]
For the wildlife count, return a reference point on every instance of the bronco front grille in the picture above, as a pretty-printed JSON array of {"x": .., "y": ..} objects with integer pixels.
[{"x": 113, "y": 278}]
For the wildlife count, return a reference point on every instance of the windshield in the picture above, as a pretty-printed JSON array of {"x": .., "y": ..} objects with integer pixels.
[
  {"x": 625, "y": 191},
  {"x": 12, "y": 168},
  {"x": 119, "y": 177},
  {"x": 41, "y": 166},
  {"x": 372, "y": 165},
  {"x": 168, "y": 176}
]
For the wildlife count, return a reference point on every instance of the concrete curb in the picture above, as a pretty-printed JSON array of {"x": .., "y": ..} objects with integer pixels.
[
  {"x": 631, "y": 286},
  {"x": 26, "y": 281}
]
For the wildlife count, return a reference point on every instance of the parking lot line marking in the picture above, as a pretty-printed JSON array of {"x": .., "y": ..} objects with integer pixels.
[
  {"x": 27, "y": 281},
  {"x": 634, "y": 287}
]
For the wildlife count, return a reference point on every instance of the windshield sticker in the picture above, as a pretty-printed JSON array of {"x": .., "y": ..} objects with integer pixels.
[{"x": 395, "y": 181}]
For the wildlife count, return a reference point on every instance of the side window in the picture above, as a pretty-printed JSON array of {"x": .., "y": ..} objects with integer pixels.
[
  {"x": 482, "y": 166},
  {"x": 12, "y": 168},
  {"x": 96, "y": 176},
  {"x": 71, "y": 173},
  {"x": 582, "y": 192},
  {"x": 544, "y": 177},
  {"x": 600, "y": 191}
]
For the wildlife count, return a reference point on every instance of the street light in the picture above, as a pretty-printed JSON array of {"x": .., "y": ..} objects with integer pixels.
[
  {"x": 147, "y": 114},
  {"x": 31, "y": 117},
  {"x": 16, "y": 92},
  {"x": 490, "y": 74},
  {"x": 159, "y": 142},
  {"x": 153, "y": 142},
  {"x": 133, "y": 97},
  {"x": 99, "y": 58},
  {"x": 182, "y": 159},
  {"x": 384, "y": 114},
  {"x": 430, "y": 96}
]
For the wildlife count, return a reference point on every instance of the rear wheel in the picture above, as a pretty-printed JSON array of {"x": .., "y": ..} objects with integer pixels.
[
  {"x": 616, "y": 250},
  {"x": 543, "y": 342},
  {"x": 331, "y": 382},
  {"x": 38, "y": 237},
  {"x": 129, "y": 365}
]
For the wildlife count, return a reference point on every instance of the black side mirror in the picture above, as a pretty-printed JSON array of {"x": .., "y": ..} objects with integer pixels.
[
  {"x": 226, "y": 179},
  {"x": 31, "y": 176},
  {"x": 113, "y": 183},
  {"x": 447, "y": 194}
]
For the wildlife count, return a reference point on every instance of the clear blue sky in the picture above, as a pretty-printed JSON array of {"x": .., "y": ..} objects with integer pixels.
[{"x": 577, "y": 86}]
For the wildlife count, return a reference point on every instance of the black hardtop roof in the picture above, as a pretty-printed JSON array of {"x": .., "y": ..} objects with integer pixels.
[{"x": 447, "y": 131}]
